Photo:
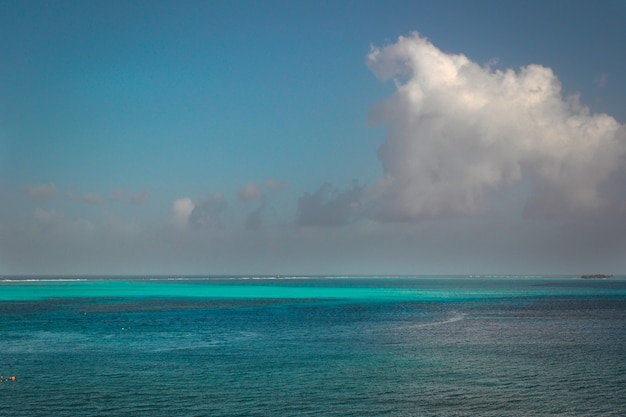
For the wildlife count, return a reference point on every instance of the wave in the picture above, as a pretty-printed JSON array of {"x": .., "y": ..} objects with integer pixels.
[
  {"x": 455, "y": 318},
  {"x": 42, "y": 279}
]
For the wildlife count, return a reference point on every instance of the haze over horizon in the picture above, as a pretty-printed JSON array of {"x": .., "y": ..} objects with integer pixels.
[{"x": 307, "y": 138}]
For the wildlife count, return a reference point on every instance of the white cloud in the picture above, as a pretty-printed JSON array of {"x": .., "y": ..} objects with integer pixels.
[
  {"x": 181, "y": 210},
  {"x": 250, "y": 193},
  {"x": 458, "y": 131},
  {"x": 44, "y": 191}
]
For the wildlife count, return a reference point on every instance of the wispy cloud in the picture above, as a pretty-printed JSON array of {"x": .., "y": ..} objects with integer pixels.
[
  {"x": 458, "y": 131},
  {"x": 140, "y": 198},
  {"x": 275, "y": 186},
  {"x": 92, "y": 198},
  {"x": 44, "y": 191},
  {"x": 117, "y": 195},
  {"x": 601, "y": 81},
  {"x": 120, "y": 195},
  {"x": 46, "y": 219}
]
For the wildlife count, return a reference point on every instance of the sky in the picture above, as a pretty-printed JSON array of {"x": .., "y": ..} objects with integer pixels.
[{"x": 312, "y": 137}]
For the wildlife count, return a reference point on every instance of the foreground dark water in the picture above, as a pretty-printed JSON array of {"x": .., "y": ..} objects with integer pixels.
[{"x": 334, "y": 347}]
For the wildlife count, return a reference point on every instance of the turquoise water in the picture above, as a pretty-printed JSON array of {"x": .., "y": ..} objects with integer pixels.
[{"x": 370, "y": 346}]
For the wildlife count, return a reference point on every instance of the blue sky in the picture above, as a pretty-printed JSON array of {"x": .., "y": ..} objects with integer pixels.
[{"x": 349, "y": 137}]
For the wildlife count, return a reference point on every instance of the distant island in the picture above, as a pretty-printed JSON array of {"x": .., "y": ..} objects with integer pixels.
[{"x": 596, "y": 276}]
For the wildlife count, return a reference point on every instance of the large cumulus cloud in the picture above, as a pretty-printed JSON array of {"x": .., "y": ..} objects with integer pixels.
[{"x": 458, "y": 131}]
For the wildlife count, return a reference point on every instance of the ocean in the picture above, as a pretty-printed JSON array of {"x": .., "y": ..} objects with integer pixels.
[{"x": 312, "y": 346}]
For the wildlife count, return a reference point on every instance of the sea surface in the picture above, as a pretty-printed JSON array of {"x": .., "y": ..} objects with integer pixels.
[{"x": 312, "y": 346}]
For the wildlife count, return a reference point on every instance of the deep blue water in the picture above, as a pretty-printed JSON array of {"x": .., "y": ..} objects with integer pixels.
[{"x": 455, "y": 346}]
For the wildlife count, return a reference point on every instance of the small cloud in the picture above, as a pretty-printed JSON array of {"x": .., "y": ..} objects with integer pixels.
[
  {"x": 250, "y": 193},
  {"x": 140, "y": 198},
  {"x": 601, "y": 81},
  {"x": 328, "y": 206},
  {"x": 181, "y": 210},
  {"x": 117, "y": 195},
  {"x": 274, "y": 186},
  {"x": 206, "y": 213},
  {"x": 44, "y": 191},
  {"x": 92, "y": 198}
]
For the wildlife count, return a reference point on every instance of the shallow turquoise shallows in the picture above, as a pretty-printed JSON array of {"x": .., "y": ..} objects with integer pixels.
[{"x": 350, "y": 346}]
